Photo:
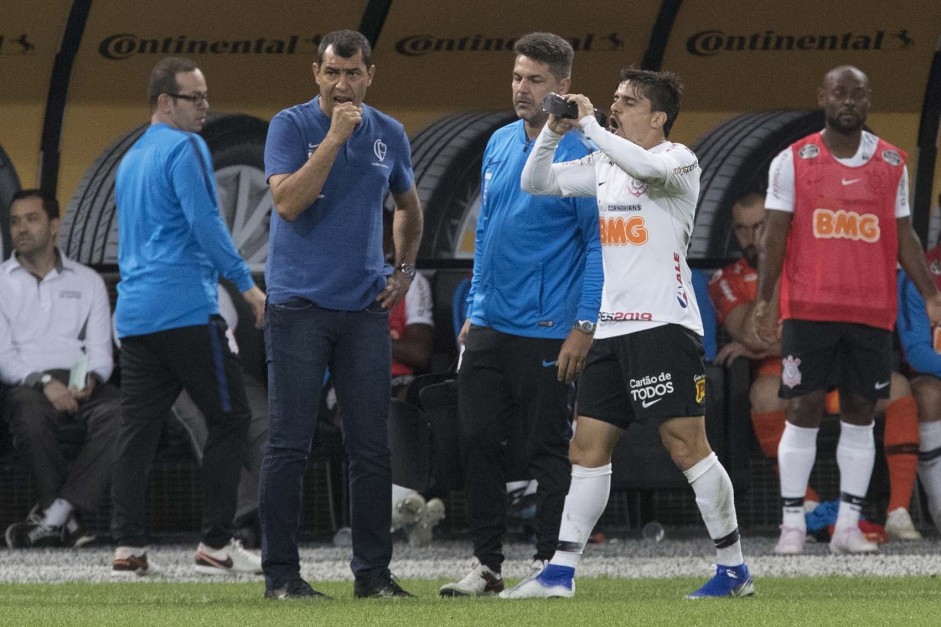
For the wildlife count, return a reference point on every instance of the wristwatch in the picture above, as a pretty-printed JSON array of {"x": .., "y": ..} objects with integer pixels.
[
  {"x": 408, "y": 269},
  {"x": 585, "y": 326}
]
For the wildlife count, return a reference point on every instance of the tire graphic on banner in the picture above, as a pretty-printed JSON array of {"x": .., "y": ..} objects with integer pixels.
[{"x": 733, "y": 156}]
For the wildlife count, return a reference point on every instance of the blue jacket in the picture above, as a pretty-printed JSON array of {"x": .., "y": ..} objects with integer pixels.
[
  {"x": 915, "y": 329},
  {"x": 174, "y": 243},
  {"x": 537, "y": 259}
]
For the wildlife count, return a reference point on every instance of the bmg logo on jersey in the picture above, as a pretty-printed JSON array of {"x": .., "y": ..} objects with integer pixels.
[
  {"x": 651, "y": 389},
  {"x": 829, "y": 224}
]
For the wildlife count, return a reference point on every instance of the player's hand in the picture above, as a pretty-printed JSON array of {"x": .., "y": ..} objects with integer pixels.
[
  {"x": 395, "y": 290},
  {"x": 732, "y": 351},
  {"x": 933, "y": 309},
  {"x": 60, "y": 397},
  {"x": 560, "y": 126},
  {"x": 764, "y": 326},
  {"x": 584, "y": 105},
  {"x": 573, "y": 354},
  {"x": 256, "y": 300},
  {"x": 465, "y": 329},
  {"x": 346, "y": 117}
]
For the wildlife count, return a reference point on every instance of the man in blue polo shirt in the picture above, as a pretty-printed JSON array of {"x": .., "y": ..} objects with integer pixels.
[{"x": 329, "y": 164}]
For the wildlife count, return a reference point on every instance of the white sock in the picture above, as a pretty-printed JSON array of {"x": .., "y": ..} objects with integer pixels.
[
  {"x": 929, "y": 466},
  {"x": 58, "y": 513},
  {"x": 855, "y": 456},
  {"x": 584, "y": 505},
  {"x": 796, "y": 454},
  {"x": 716, "y": 500}
]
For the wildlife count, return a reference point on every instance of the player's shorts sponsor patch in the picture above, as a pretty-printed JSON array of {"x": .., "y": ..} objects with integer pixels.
[{"x": 700, "y": 381}]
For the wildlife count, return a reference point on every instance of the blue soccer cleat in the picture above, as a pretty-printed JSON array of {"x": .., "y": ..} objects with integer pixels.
[
  {"x": 553, "y": 582},
  {"x": 729, "y": 581}
]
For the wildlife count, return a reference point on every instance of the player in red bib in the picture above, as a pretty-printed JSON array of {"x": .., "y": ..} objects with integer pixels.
[{"x": 838, "y": 220}]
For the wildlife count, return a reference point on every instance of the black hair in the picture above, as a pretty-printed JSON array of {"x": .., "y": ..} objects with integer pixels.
[
  {"x": 49, "y": 203},
  {"x": 547, "y": 48},
  {"x": 346, "y": 43},
  {"x": 662, "y": 89}
]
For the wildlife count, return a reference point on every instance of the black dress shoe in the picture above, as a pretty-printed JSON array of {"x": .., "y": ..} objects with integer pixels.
[
  {"x": 294, "y": 589},
  {"x": 381, "y": 585}
]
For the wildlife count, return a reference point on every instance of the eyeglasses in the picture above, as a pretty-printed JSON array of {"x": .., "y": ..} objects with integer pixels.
[{"x": 196, "y": 99}]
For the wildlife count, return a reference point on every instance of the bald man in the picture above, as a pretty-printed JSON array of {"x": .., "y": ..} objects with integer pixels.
[{"x": 838, "y": 220}]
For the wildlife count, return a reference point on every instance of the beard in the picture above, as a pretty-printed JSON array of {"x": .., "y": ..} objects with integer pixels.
[
  {"x": 845, "y": 128},
  {"x": 751, "y": 256}
]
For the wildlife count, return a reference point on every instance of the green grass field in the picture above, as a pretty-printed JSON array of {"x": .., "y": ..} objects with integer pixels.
[{"x": 902, "y": 601}]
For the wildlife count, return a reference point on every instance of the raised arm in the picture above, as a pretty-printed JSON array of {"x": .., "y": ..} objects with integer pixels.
[
  {"x": 295, "y": 191},
  {"x": 542, "y": 177}
]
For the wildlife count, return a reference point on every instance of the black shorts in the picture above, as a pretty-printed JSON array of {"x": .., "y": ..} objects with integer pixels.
[
  {"x": 648, "y": 376},
  {"x": 819, "y": 355}
]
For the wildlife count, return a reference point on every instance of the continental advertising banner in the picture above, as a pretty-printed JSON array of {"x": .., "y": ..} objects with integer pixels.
[{"x": 774, "y": 54}]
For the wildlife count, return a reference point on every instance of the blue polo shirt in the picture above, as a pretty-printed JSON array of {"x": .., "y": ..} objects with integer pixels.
[{"x": 332, "y": 253}]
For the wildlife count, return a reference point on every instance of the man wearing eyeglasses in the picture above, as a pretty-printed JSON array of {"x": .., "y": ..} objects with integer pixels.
[{"x": 173, "y": 247}]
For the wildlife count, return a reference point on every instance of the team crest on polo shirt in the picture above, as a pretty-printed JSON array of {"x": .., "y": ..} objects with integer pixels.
[
  {"x": 809, "y": 151},
  {"x": 379, "y": 149},
  {"x": 891, "y": 157},
  {"x": 790, "y": 374}
]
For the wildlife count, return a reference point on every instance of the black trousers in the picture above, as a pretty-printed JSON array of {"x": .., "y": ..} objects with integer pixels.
[
  {"x": 154, "y": 369},
  {"x": 34, "y": 426},
  {"x": 514, "y": 413}
]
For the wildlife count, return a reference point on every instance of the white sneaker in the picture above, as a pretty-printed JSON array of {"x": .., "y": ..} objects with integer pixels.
[
  {"x": 553, "y": 581},
  {"x": 232, "y": 559},
  {"x": 899, "y": 526},
  {"x": 791, "y": 541},
  {"x": 407, "y": 510},
  {"x": 419, "y": 534},
  {"x": 851, "y": 540},
  {"x": 480, "y": 581}
]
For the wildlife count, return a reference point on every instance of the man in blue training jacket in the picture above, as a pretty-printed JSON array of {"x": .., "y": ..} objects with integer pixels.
[
  {"x": 532, "y": 310},
  {"x": 173, "y": 247}
]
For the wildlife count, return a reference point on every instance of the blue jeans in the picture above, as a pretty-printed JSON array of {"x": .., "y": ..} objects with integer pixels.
[{"x": 302, "y": 340}]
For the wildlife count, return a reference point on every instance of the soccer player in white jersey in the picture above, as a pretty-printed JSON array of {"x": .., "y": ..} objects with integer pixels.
[{"x": 646, "y": 361}]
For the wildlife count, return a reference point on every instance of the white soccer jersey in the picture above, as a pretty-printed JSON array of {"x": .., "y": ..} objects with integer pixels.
[{"x": 646, "y": 204}]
